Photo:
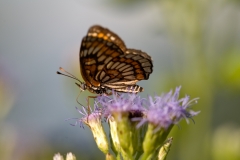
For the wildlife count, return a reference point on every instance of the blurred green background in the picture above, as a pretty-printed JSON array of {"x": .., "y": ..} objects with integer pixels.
[{"x": 193, "y": 43}]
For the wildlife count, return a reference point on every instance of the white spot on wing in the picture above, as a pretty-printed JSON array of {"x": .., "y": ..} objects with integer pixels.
[
  {"x": 96, "y": 77},
  {"x": 113, "y": 80},
  {"x": 109, "y": 64},
  {"x": 137, "y": 57},
  {"x": 129, "y": 56},
  {"x": 143, "y": 60},
  {"x": 101, "y": 51},
  {"x": 90, "y": 62},
  {"x": 100, "y": 67},
  {"x": 132, "y": 77},
  {"x": 85, "y": 52},
  {"x": 128, "y": 69},
  {"x": 114, "y": 65},
  {"x": 107, "y": 60},
  {"x": 120, "y": 65},
  {"x": 112, "y": 38},
  {"x": 127, "y": 73},
  {"x": 90, "y": 50},
  {"x": 97, "y": 48},
  {"x": 101, "y": 58},
  {"x": 147, "y": 69},
  {"x": 105, "y": 79},
  {"x": 109, "y": 43},
  {"x": 102, "y": 75},
  {"x": 81, "y": 54},
  {"x": 145, "y": 64},
  {"x": 124, "y": 67}
]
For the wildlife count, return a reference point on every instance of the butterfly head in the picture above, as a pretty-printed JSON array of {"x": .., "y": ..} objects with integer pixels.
[{"x": 82, "y": 86}]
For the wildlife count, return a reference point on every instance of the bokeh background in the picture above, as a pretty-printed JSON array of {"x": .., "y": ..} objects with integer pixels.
[{"x": 193, "y": 43}]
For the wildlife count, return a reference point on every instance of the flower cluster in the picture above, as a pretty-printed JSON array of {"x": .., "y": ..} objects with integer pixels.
[{"x": 138, "y": 126}]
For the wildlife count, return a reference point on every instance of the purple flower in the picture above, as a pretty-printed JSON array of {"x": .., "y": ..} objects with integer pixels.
[
  {"x": 94, "y": 122},
  {"x": 161, "y": 111},
  {"x": 94, "y": 116},
  {"x": 138, "y": 126},
  {"x": 119, "y": 104},
  {"x": 167, "y": 109}
]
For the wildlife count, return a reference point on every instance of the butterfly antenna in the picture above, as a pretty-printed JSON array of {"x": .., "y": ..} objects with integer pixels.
[
  {"x": 68, "y": 74},
  {"x": 73, "y": 77}
]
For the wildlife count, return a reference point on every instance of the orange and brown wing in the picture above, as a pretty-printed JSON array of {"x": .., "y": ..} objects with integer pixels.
[
  {"x": 106, "y": 34},
  {"x": 105, "y": 61},
  {"x": 95, "y": 53},
  {"x": 126, "y": 70}
]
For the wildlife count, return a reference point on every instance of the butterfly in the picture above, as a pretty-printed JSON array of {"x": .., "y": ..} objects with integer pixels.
[{"x": 106, "y": 63}]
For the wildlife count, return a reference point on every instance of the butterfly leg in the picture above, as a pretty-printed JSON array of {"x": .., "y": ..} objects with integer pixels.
[
  {"x": 89, "y": 103},
  {"x": 77, "y": 99}
]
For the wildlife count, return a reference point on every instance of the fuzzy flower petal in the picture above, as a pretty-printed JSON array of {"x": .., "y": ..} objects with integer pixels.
[
  {"x": 94, "y": 122},
  {"x": 131, "y": 103},
  {"x": 168, "y": 109}
]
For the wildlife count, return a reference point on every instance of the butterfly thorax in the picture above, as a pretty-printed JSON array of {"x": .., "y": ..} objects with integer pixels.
[{"x": 96, "y": 90}]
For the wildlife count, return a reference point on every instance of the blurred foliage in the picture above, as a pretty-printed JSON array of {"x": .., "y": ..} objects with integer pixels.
[
  {"x": 7, "y": 141},
  {"x": 7, "y": 134},
  {"x": 225, "y": 146},
  {"x": 6, "y": 96},
  {"x": 206, "y": 36}
]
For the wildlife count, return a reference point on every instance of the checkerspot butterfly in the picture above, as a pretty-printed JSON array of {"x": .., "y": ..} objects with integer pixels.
[{"x": 106, "y": 64}]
